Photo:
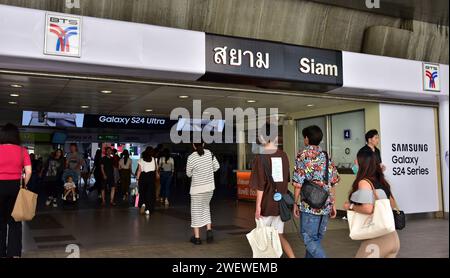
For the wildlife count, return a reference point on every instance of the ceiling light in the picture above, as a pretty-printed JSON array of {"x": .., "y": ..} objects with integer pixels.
[
  {"x": 84, "y": 106},
  {"x": 310, "y": 105},
  {"x": 251, "y": 101},
  {"x": 183, "y": 97},
  {"x": 105, "y": 91},
  {"x": 148, "y": 110},
  {"x": 16, "y": 85},
  {"x": 12, "y": 102},
  {"x": 13, "y": 95}
]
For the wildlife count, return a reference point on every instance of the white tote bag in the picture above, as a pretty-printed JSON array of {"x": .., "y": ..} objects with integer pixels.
[
  {"x": 264, "y": 241},
  {"x": 367, "y": 226}
]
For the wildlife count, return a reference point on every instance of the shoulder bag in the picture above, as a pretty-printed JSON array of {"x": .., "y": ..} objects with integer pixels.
[
  {"x": 313, "y": 194},
  {"x": 25, "y": 205},
  {"x": 367, "y": 226},
  {"x": 399, "y": 216},
  {"x": 264, "y": 241}
]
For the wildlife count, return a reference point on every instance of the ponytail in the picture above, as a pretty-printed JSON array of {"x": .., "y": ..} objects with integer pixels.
[{"x": 199, "y": 148}]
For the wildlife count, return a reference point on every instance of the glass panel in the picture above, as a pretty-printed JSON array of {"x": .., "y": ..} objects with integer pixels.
[
  {"x": 318, "y": 121},
  {"x": 347, "y": 137}
]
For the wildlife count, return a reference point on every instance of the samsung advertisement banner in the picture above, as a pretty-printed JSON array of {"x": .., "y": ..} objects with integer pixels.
[
  {"x": 127, "y": 122},
  {"x": 58, "y": 119},
  {"x": 408, "y": 150}
]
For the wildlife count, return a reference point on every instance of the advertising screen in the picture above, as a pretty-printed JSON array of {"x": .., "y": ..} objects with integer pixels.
[
  {"x": 185, "y": 124},
  {"x": 52, "y": 119}
]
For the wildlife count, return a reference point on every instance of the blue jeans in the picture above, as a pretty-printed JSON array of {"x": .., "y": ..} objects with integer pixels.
[
  {"x": 312, "y": 231},
  {"x": 166, "y": 181}
]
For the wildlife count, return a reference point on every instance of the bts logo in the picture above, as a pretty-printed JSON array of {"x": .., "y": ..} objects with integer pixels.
[
  {"x": 431, "y": 80},
  {"x": 63, "y": 35}
]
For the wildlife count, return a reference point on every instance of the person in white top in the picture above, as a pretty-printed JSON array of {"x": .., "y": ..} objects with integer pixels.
[
  {"x": 201, "y": 166},
  {"x": 125, "y": 173},
  {"x": 166, "y": 167},
  {"x": 146, "y": 176}
]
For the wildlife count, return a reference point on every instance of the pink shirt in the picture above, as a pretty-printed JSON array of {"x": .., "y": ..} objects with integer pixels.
[{"x": 11, "y": 163}]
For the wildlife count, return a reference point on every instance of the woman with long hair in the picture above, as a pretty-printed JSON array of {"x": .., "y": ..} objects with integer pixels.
[
  {"x": 125, "y": 173},
  {"x": 13, "y": 159},
  {"x": 167, "y": 168},
  {"x": 98, "y": 171},
  {"x": 146, "y": 175},
  {"x": 370, "y": 177},
  {"x": 201, "y": 165}
]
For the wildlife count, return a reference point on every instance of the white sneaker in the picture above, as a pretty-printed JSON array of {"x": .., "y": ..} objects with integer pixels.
[
  {"x": 142, "y": 210},
  {"x": 48, "y": 202},
  {"x": 55, "y": 205},
  {"x": 147, "y": 212},
  {"x": 166, "y": 202}
]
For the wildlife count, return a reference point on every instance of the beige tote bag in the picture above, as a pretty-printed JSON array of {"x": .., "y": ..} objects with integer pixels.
[
  {"x": 367, "y": 226},
  {"x": 25, "y": 206},
  {"x": 264, "y": 241}
]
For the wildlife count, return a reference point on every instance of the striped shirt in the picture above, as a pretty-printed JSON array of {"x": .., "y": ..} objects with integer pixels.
[{"x": 201, "y": 169}]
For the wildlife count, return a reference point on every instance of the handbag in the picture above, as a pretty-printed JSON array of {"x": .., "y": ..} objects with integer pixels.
[
  {"x": 264, "y": 241},
  {"x": 136, "y": 201},
  {"x": 313, "y": 194},
  {"x": 25, "y": 205},
  {"x": 399, "y": 219},
  {"x": 399, "y": 216},
  {"x": 286, "y": 206},
  {"x": 287, "y": 201},
  {"x": 367, "y": 226}
]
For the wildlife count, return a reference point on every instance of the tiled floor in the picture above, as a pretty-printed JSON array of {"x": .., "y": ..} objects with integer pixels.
[{"x": 122, "y": 232}]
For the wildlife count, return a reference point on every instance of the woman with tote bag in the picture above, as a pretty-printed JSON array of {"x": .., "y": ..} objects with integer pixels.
[
  {"x": 13, "y": 159},
  {"x": 369, "y": 211}
]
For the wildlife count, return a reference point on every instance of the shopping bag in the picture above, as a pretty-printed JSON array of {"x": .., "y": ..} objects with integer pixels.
[
  {"x": 264, "y": 241},
  {"x": 25, "y": 206},
  {"x": 367, "y": 226},
  {"x": 136, "y": 201}
]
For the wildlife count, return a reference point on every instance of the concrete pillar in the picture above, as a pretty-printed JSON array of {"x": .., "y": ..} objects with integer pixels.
[
  {"x": 443, "y": 131},
  {"x": 242, "y": 157}
]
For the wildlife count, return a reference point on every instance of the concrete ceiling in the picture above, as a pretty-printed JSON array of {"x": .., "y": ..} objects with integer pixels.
[
  {"x": 420, "y": 10},
  {"x": 333, "y": 24},
  {"x": 67, "y": 95}
]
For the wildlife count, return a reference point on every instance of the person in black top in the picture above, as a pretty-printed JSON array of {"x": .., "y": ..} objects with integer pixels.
[
  {"x": 372, "y": 141},
  {"x": 107, "y": 167},
  {"x": 97, "y": 172}
]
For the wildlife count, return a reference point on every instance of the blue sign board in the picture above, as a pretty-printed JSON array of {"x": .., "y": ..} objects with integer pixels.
[{"x": 347, "y": 134}]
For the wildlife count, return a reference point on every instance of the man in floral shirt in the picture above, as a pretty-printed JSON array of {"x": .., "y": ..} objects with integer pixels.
[{"x": 310, "y": 165}]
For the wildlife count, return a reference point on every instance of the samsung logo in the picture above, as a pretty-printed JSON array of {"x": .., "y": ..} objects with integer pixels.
[{"x": 309, "y": 66}]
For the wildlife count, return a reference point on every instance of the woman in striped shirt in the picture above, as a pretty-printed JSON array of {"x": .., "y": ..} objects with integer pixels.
[{"x": 201, "y": 166}]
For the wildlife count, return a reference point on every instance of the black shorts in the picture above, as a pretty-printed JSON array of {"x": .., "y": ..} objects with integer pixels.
[{"x": 108, "y": 183}]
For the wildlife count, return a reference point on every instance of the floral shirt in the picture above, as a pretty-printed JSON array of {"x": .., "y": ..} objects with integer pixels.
[{"x": 310, "y": 165}]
